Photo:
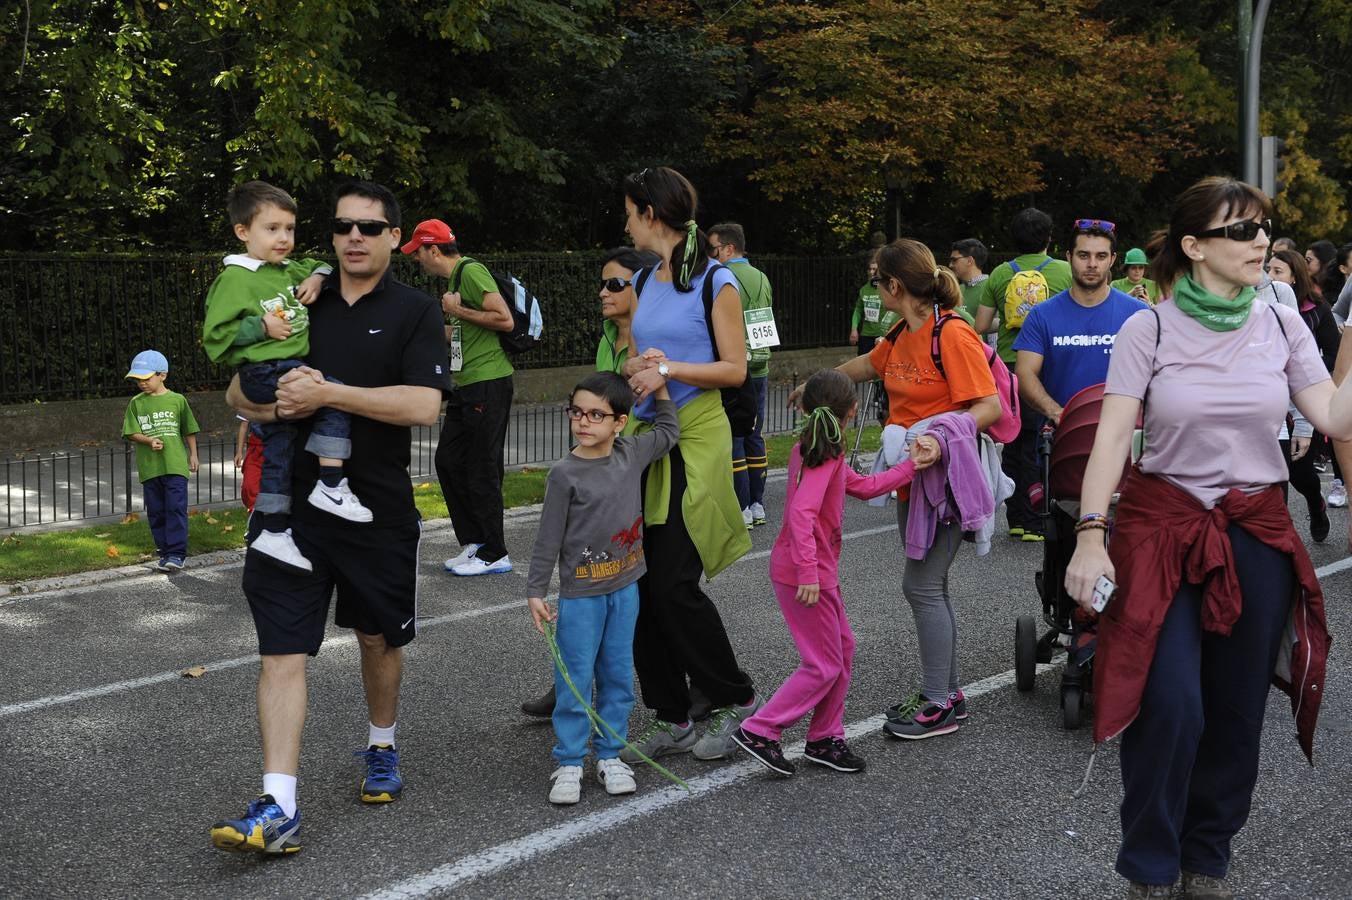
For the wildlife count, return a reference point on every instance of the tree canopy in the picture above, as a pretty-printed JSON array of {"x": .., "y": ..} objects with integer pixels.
[{"x": 125, "y": 122}]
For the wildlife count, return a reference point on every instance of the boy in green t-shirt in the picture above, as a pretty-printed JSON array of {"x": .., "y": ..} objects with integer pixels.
[
  {"x": 256, "y": 319},
  {"x": 161, "y": 425},
  {"x": 1135, "y": 283}
]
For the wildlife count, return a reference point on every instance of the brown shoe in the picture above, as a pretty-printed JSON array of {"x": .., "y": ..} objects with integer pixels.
[
  {"x": 1205, "y": 887},
  {"x": 1139, "y": 891}
]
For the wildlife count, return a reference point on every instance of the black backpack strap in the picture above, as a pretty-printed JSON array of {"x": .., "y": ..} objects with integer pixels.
[
  {"x": 459, "y": 270},
  {"x": 708, "y": 293},
  {"x": 1274, "y": 315},
  {"x": 936, "y": 349},
  {"x": 641, "y": 280}
]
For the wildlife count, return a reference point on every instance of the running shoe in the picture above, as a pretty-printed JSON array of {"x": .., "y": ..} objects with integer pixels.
[
  {"x": 747, "y": 520},
  {"x": 659, "y": 739},
  {"x": 339, "y": 501},
  {"x": 1138, "y": 891},
  {"x": 1338, "y": 495},
  {"x": 477, "y": 566},
  {"x": 175, "y": 563},
  {"x": 1015, "y": 531},
  {"x": 757, "y": 514},
  {"x": 162, "y": 565},
  {"x": 465, "y": 555},
  {"x": 1196, "y": 886},
  {"x": 765, "y": 751},
  {"x": 264, "y": 828},
  {"x": 931, "y": 721},
  {"x": 280, "y": 546},
  {"x": 833, "y": 753},
  {"x": 1032, "y": 537},
  {"x": 382, "y": 783},
  {"x": 958, "y": 700},
  {"x": 716, "y": 743}
]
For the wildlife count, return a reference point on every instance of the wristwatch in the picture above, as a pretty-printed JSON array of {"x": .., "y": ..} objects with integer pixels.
[{"x": 664, "y": 370}]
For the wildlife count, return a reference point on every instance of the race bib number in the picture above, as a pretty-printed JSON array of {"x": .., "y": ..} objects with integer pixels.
[
  {"x": 873, "y": 307},
  {"x": 457, "y": 350},
  {"x": 760, "y": 329}
]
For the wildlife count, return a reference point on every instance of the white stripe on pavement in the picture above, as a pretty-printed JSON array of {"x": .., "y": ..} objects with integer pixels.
[{"x": 512, "y": 853}]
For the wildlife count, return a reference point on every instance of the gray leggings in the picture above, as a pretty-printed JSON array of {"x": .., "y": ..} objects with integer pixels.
[{"x": 925, "y": 585}]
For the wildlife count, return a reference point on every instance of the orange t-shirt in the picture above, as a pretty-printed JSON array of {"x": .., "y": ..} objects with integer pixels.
[{"x": 915, "y": 389}]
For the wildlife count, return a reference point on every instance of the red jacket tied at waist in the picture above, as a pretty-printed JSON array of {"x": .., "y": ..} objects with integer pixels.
[{"x": 1162, "y": 535}]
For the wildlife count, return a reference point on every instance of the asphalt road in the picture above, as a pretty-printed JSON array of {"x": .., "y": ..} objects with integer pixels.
[{"x": 116, "y": 766}]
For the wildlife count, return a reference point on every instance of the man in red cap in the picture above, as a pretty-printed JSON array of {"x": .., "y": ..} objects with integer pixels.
[{"x": 469, "y": 456}]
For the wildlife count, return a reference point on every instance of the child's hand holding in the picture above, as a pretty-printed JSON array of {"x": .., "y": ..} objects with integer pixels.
[
  {"x": 156, "y": 444},
  {"x": 276, "y": 327},
  {"x": 925, "y": 452},
  {"x": 541, "y": 613},
  {"x": 192, "y": 463},
  {"x": 808, "y": 594},
  {"x": 307, "y": 291}
]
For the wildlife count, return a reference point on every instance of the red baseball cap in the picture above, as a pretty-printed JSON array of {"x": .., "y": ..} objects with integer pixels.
[{"x": 429, "y": 231}]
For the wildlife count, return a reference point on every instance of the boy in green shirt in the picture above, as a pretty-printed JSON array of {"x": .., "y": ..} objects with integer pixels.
[
  {"x": 256, "y": 319},
  {"x": 1135, "y": 283},
  {"x": 161, "y": 425}
]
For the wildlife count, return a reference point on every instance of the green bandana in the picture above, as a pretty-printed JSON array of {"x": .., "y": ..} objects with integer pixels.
[
  {"x": 830, "y": 426},
  {"x": 1213, "y": 310},
  {"x": 688, "y": 258}
]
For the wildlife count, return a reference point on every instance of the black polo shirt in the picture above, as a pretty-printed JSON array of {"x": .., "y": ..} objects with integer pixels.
[{"x": 392, "y": 335}]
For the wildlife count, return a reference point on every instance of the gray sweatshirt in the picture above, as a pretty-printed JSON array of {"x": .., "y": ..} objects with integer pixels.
[{"x": 592, "y": 521}]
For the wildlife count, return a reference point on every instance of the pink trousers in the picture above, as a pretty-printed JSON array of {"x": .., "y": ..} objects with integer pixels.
[{"x": 818, "y": 686}]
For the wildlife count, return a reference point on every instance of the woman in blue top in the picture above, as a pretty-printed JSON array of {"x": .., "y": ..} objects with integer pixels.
[{"x": 692, "y": 521}]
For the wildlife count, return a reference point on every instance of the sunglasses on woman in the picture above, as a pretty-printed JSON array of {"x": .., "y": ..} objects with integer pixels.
[
  {"x": 615, "y": 285},
  {"x": 595, "y": 416},
  {"x": 368, "y": 227},
  {"x": 1238, "y": 231}
]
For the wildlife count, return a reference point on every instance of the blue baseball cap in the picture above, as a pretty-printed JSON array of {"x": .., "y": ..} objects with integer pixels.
[{"x": 147, "y": 363}]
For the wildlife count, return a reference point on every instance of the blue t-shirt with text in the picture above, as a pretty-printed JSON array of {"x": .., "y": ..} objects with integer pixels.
[{"x": 1075, "y": 342}]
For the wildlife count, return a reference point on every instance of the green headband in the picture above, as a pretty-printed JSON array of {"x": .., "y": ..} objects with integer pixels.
[
  {"x": 691, "y": 252},
  {"x": 830, "y": 425}
]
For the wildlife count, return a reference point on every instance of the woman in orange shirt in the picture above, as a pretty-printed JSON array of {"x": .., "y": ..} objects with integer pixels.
[{"x": 911, "y": 284}]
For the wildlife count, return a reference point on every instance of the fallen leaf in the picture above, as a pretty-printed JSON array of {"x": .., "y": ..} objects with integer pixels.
[
  {"x": 113, "y": 552},
  {"x": 145, "y": 557},
  {"x": 194, "y": 672},
  {"x": 227, "y": 528},
  {"x": 104, "y": 534},
  {"x": 425, "y": 486},
  {"x": 131, "y": 517},
  {"x": 211, "y": 520}
]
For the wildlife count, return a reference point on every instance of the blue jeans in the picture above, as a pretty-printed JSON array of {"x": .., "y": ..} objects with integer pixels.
[
  {"x": 748, "y": 454},
  {"x": 1190, "y": 758},
  {"x": 329, "y": 437},
  {"x": 167, "y": 514},
  {"x": 596, "y": 640}
]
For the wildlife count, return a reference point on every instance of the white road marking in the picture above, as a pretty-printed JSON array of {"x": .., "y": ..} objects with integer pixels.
[{"x": 450, "y": 875}]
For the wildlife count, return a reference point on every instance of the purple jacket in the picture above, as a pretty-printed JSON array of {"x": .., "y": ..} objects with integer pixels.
[{"x": 957, "y": 474}]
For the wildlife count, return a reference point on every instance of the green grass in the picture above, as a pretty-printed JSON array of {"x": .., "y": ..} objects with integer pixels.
[{"x": 44, "y": 554}]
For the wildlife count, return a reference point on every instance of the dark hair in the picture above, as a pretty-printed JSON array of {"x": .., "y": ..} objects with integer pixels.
[
  {"x": 973, "y": 248},
  {"x": 1093, "y": 232},
  {"x": 371, "y": 191},
  {"x": 632, "y": 258},
  {"x": 1031, "y": 230},
  {"x": 1344, "y": 258},
  {"x": 911, "y": 263},
  {"x": 835, "y": 391},
  {"x": 1193, "y": 212},
  {"x": 246, "y": 199},
  {"x": 450, "y": 248},
  {"x": 673, "y": 201},
  {"x": 1304, "y": 286},
  {"x": 730, "y": 233},
  {"x": 1327, "y": 254},
  {"x": 610, "y": 387}
]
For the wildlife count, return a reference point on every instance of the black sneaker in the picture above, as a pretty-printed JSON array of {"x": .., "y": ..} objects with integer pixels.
[
  {"x": 834, "y": 754},
  {"x": 767, "y": 752},
  {"x": 540, "y": 707}
]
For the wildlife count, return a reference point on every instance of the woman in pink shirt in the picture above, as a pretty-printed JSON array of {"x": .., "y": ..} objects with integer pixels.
[{"x": 803, "y": 567}]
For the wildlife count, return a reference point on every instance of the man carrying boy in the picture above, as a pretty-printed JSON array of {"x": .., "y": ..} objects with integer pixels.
[
  {"x": 591, "y": 527},
  {"x": 161, "y": 425},
  {"x": 256, "y": 320},
  {"x": 385, "y": 341}
]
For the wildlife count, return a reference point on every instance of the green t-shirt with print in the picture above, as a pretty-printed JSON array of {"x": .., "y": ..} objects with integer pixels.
[
  {"x": 482, "y": 356},
  {"x": 971, "y": 295},
  {"x": 755, "y": 292},
  {"x": 1152, "y": 288},
  {"x": 165, "y": 416},
  {"x": 1057, "y": 273},
  {"x": 869, "y": 318}
]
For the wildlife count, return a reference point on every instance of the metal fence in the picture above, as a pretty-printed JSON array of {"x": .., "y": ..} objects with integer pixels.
[
  {"x": 71, "y": 486},
  {"x": 72, "y": 322}
]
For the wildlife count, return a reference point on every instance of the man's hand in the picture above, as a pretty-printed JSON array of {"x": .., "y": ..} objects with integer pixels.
[
  {"x": 276, "y": 327},
  {"x": 796, "y": 396},
  {"x": 854, "y": 337},
  {"x": 451, "y": 305},
  {"x": 808, "y": 594},
  {"x": 192, "y": 463},
  {"x": 1299, "y": 447},
  {"x": 1055, "y": 416},
  {"x": 301, "y": 393},
  {"x": 307, "y": 291},
  {"x": 925, "y": 452},
  {"x": 540, "y": 613}
]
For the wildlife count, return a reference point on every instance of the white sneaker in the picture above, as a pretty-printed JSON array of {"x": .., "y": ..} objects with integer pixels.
[
  {"x": 567, "y": 787},
  {"x": 1338, "y": 496},
  {"x": 466, "y": 554},
  {"x": 340, "y": 501},
  {"x": 746, "y": 518},
  {"x": 615, "y": 776},
  {"x": 281, "y": 547},
  {"x": 476, "y": 566},
  {"x": 757, "y": 514}
]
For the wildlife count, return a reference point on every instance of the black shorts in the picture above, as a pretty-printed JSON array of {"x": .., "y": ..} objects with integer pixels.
[{"x": 375, "y": 570}]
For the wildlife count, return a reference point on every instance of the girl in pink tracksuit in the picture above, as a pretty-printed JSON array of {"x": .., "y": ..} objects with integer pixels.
[{"x": 803, "y": 567}]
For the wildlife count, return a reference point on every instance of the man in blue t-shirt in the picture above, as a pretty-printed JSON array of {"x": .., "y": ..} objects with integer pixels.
[{"x": 1066, "y": 341}]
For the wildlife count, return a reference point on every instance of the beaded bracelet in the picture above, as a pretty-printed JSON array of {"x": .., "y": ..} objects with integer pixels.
[{"x": 1093, "y": 517}]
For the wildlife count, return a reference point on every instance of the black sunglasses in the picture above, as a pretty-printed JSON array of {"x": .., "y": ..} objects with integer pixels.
[
  {"x": 593, "y": 415},
  {"x": 1238, "y": 231},
  {"x": 615, "y": 285},
  {"x": 368, "y": 227}
]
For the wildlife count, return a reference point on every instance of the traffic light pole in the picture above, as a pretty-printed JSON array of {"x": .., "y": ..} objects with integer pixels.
[{"x": 1251, "y": 23}]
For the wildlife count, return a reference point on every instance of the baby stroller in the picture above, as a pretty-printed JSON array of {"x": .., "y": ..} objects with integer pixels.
[{"x": 1064, "y": 453}]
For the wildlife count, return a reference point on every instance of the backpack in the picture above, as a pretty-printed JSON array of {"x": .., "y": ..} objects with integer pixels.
[
  {"x": 528, "y": 322},
  {"x": 1025, "y": 290},
  {"x": 739, "y": 403},
  {"x": 1007, "y": 427}
]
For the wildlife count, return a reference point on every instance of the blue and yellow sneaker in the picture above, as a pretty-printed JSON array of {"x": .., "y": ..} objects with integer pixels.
[
  {"x": 382, "y": 783},
  {"x": 264, "y": 829}
]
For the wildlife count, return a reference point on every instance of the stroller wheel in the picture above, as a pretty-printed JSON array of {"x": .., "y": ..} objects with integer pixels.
[
  {"x": 1071, "y": 704},
  {"x": 1025, "y": 652}
]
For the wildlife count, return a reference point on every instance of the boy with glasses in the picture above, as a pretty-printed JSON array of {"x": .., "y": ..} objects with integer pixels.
[
  {"x": 257, "y": 321},
  {"x": 967, "y": 259},
  {"x": 591, "y": 527}
]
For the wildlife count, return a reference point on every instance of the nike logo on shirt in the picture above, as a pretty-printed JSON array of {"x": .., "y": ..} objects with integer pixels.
[
  {"x": 374, "y": 330},
  {"x": 406, "y": 624}
]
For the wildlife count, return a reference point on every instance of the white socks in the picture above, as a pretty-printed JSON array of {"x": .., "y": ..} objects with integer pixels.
[
  {"x": 283, "y": 790},
  {"x": 381, "y": 736}
]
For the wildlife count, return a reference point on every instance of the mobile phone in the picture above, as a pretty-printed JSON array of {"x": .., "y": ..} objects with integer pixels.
[{"x": 1103, "y": 593}]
